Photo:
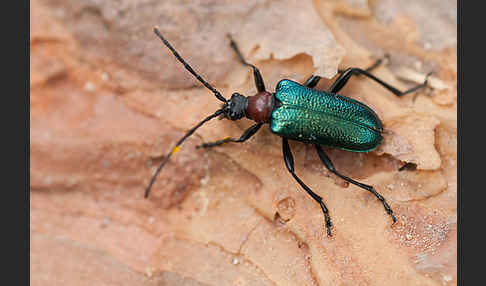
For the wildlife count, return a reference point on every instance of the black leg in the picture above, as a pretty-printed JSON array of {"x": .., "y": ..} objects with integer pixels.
[
  {"x": 345, "y": 75},
  {"x": 312, "y": 81},
  {"x": 327, "y": 162},
  {"x": 376, "y": 64},
  {"x": 289, "y": 163},
  {"x": 256, "y": 73},
  {"x": 409, "y": 166},
  {"x": 245, "y": 136}
]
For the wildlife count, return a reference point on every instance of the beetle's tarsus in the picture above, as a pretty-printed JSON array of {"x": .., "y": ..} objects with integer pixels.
[{"x": 394, "y": 219}]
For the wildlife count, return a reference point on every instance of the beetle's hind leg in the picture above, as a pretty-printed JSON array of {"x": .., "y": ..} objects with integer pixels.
[
  {"x": 346, "y": 75},
  {"x": 312, "y": 81},
  {"x": 329, "y": 165},
  {"x": 373, "y": 66},
  {"x": 289, "y": 163},
  {"x": 245, "y": 136},
  {"x": 260, "y": 85}
]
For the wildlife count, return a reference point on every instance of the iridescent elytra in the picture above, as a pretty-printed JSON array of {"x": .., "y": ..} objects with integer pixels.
[{"x": 299, "y": 112}]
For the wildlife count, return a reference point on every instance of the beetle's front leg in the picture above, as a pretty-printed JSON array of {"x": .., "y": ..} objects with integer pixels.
[
  {"x": 245, "y": 136},
  {"x": 329, "y": 165},
  {"x": 260, "y": 85}
]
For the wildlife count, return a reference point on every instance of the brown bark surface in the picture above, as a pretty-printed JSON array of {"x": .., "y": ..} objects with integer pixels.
[{"x": 108, "y": 101}]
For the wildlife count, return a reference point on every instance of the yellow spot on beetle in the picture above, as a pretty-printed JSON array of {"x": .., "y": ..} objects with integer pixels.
[
  {"x": 175, "y": 150},
  {"x": 225, "y": 140}
]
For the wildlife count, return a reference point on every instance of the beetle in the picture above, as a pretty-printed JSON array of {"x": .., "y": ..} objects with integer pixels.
[{"x": 298, "y": 112}]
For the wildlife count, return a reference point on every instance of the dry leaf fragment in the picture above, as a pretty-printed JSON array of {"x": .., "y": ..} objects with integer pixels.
[
  {"x": 288, "y": 28},
  {"x": 417, "y": 77},
  {"x": 412, "y": 139}
]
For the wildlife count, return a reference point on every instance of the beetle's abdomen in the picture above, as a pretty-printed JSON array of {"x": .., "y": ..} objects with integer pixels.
[{"x": 323, "y": 118}]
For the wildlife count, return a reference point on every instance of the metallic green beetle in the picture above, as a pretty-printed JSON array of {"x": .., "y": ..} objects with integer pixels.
[
  {"x": 323, "y": 118},
  {"x": 299, "y": 112}
]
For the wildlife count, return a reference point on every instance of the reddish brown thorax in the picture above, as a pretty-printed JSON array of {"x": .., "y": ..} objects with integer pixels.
[{"x": 260, "y": 107}]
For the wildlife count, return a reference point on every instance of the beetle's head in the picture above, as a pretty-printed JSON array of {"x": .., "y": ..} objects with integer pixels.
[{"x": 235, "y": 108}]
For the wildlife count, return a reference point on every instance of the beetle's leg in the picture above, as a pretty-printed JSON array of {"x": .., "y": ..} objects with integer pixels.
[
  {"x": 312, "y": 81},
  {"x": 376, "y": 64},
  {"x": 327, "y": 162},
  {"x": 409, "y": 166},
  {"x": 256, "y": 73},
  {"x": 289, "y": 163},
  {"x": 245, "y": 136},
  {"x": 344, "y": 77}
]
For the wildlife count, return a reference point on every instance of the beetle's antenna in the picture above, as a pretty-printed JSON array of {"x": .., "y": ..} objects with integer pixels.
[
  {"x": 177, "y": 147},
  {"x": 189, "y": 68}
]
